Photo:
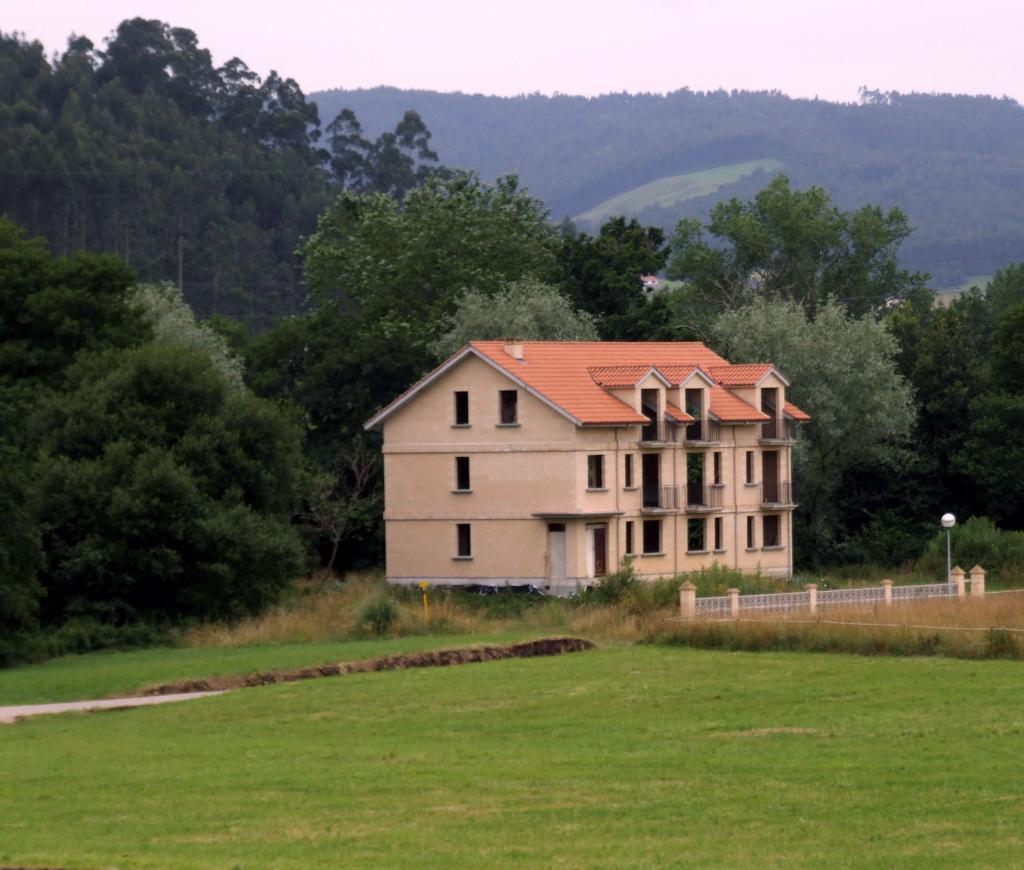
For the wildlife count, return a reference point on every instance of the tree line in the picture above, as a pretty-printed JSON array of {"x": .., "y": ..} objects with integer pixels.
[{"x": 156, "y": 466}]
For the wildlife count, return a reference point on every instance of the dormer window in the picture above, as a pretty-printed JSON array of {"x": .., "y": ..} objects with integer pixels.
[{"x": 649, "y": 407}]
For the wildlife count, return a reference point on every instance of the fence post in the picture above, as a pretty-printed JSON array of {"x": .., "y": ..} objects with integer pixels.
[
  {"x": 977, "y": 580},
  {"x": 687, "y": 600},
  {"x": 956, "y": 577},
  {"x": 734, "y": 603},
  {"x": 887, "y": 591},
  {"x": 812, "y": 596}
]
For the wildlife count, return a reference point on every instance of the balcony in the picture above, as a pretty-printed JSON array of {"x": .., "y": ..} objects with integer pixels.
[
  {"x": 777, "y": 493},
  {"x": 659, "y": 433},
  {"x": 703, "y": 432},
  {"x": 660, "y": 499},
  {"x": 781, "y": 430},
  {"x": 703, "y": 498}
]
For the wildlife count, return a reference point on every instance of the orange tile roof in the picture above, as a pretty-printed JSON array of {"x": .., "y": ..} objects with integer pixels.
[
  {"x": 618, "y": 376},
  {"x": 745, "y": 375},
  {"x": 795, "y": 412},
  {"x": 730, "y": 408},
  {"x": 677, "y": 414},
  {"x": 675, "y": 375},
  {"x": 559, "y": 371}
]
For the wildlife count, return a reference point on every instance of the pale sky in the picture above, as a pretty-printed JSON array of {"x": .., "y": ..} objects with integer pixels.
[{"x": 801, "y": 47}]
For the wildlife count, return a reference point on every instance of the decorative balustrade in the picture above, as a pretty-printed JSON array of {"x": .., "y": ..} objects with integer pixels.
[
  {"x": 702, "y": 432},
  {"x": 703, "y": 498},
  {"x": 660, "y": 432}
]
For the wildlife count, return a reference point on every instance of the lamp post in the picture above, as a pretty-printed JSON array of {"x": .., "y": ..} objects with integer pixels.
[{"x": 948, "y": 521}]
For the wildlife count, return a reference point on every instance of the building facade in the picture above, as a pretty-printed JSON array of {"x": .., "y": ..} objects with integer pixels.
[{"x": 550, "y": 463}]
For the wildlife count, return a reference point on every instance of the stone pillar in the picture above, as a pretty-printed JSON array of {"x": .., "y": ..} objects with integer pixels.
[
  {"x": 812, "y": 596},
  {"x": 977, "y": 580},
  {"x": 956, "y": 577},
  {"x": 887, "y": 591},
  {"x": 734, "y": 603},
  {"x": 687, "y": 600}
]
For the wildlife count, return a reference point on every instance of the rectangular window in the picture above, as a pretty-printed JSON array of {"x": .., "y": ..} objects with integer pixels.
[
  {"x": 750, "y": 466},
  {"x": 695, "y": 535},
  {"x": 717, "y": 467},
  {"x": 652, "y": 536},
  {"x": 462, "y": 473},
  {"x": 464, "y": 548},
  {"x": 461, "y": 408},
  {"x": 629, "y": 537},
  {"x": 629, "y": 471},
  {"x": 770, "y": 531},
  {"x": 750, "y": 533},
  {"x": 595, "y": 471},
  {"x": 509, "y": 407},
  {"x": 718, "y": 534}
]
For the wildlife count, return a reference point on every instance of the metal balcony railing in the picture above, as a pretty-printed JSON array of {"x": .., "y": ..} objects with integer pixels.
[
  {"x": 703, "y": 498},
  {"x": 778, "y": 429},
  {"x": 776, "y": 493},
  {"x": 703, "y": 432},
  {"x": 660, "y": 432},
  {"x": 661, "y": 498}
]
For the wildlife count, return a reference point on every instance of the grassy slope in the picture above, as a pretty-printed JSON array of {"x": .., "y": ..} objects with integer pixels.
[
  {"x": 108, "y": 674},
  {"x": 675, "y": 188},
  {"x": 622, "y": 757}
]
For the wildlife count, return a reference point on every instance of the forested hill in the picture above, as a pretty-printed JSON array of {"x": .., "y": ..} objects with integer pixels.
[{"x": 954, "y": 164}]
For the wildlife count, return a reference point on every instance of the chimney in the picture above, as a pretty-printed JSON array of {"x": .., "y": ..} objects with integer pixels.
[{"x": 514, "y": 347}]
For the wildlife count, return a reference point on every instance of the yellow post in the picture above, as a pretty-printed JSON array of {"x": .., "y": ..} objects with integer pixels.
[{"x": 424, "y": 585}]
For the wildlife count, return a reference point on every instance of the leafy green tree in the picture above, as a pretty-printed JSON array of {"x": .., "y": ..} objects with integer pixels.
[
  {"x": 843, "y": 374},
  {"x": 174, "y": 322},
  {"x": 161, "y": 491},
  {"x": 526, "y": 309},
  {"x": 793, "y": 245},
  {"x": 603, "y": 274}
]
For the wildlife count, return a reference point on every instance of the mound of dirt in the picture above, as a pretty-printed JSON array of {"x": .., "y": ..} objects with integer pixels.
[{"x": 551, "y": 646}]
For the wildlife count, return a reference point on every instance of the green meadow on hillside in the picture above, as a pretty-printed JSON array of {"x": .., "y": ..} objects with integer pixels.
[
  {"x": 675, "y": 188},
  {"x": 624, "y": 756}
]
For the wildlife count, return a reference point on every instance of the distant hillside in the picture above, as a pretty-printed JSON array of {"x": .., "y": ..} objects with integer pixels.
[{"x": 954, "y": 164}]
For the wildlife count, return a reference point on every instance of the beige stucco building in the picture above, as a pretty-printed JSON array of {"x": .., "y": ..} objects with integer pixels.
[{"x": 549, "y": 463}]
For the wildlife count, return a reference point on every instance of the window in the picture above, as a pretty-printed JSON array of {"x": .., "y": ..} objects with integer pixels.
[
  {"x": 652, "y": 536},
  {"x": 717, "y": 467},
  {"x": 695, "y": 535},
  {"x": 750, "y": 533},
  {"x": 629, "y": 537},
  {"x": 509, "y": 407},
  {"x": 595, "y": 471},
  {"x": 770, "y": 531},
  {"x": 629, "y": 471},
  {"x": 718, "y": 534},
  {"x": 462, "y": 473},
  {"x": 461, "y": 408},
  {"x": 464, "y": 548},
  {"x": 750, "y": 466}
]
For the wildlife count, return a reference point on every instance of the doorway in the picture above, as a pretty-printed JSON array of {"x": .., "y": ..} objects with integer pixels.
[
  {"x": 651, "y": 467},
  {"x": 770, "y": 475},
  {"x": 556, "y": 554},
  {"x": 597, "y": 550}
]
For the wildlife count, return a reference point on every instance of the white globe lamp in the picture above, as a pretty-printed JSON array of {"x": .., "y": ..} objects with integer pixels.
[{"x": 948, "y": 521}]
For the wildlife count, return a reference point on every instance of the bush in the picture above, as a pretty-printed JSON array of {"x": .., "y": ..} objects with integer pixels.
[
  {"x": 378, "y": 616},
  {"x": 979, "y": 541},
  {"x": 612, "y": 589}
]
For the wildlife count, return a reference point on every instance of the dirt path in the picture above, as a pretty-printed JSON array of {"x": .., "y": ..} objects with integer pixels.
[
  {"x": 183, "y": 690},
  {"x": 12, "y": 714}
]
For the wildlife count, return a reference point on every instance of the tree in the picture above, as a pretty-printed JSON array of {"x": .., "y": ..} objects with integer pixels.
[
  {"x": 843, "y": 374},
  {"x": 793, "y": 245},
  {"x": 162, "y": 493},
  {"x": 342, "y": 496},
  {"x": 603, "y": 274},
  {"x": 526, "y": 309},
  {"x": 174, "y": 322}
]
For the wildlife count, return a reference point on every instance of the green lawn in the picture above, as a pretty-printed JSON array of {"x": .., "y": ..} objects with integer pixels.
[
  {"x": 627, "y": 756},
  {"x": 108, "y": 674},
  {"x": 676, "y": 188}
]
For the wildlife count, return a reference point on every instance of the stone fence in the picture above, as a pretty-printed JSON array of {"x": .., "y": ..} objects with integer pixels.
[{"x": 731, "y": 605}]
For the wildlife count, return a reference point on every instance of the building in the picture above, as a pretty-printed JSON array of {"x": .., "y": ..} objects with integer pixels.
[{"x": 547, "y": 463}]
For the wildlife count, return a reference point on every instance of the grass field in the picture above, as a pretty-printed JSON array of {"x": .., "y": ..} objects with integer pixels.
[
  {"x": 626, "y": 756},
  {"x": 675, "y": 188}
]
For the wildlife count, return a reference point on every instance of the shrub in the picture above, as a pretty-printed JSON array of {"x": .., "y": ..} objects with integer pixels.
[
  {"x": 378, "y": 616},
  {"x": 612, "y": 589},
  {"x": 979, "y": 541}
]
